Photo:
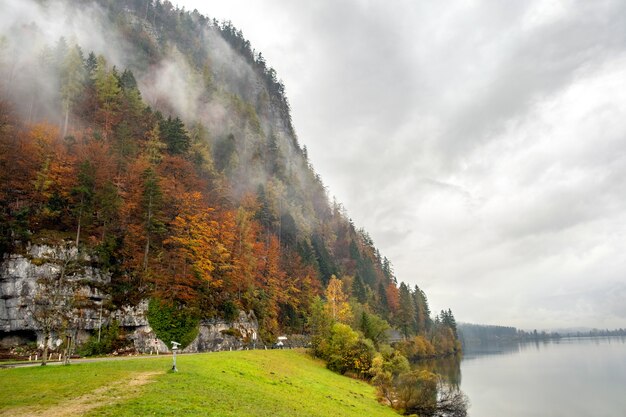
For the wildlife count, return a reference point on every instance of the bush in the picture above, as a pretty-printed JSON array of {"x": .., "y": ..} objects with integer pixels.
[
  {"x": 342, "y": 338},
  {"x": 173, "y": 323},
  {"x": 386, "y": 367},
  {"x": 111, "y": 340},
  {"x": 346, "y": 351},
  {"x": 416, "y": 392},
  {"x": 382, "y": 379},
  {"x": 360, "y": 357},
  {"x": 230, "y": 312},
  {"x": 426, "y": 394}
]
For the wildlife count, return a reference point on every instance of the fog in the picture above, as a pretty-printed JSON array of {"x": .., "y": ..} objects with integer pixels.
[{"x": 482, "y": 145}]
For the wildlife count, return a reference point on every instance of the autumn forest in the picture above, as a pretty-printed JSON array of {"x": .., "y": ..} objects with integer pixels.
[{"x": 177, "y": 169}]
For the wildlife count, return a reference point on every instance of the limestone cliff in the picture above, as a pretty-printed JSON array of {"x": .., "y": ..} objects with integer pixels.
[
  {"x": 20, "y": 283},
  {"x": 21, "y": 276}
]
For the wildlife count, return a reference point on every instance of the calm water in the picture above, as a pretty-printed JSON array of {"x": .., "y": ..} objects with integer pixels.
[{"x": 570, "y": 378}]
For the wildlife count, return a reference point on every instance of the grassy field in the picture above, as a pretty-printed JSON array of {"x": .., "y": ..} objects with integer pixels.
[{"x": 251, "y": 383}]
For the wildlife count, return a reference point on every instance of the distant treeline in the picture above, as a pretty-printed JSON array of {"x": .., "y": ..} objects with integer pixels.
[{"x": 479, "y": 333}]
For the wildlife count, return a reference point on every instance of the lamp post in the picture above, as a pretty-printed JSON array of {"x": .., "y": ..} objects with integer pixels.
[
  {"x": 68, "y": 350},
  {"x": 174, "y": 349}
]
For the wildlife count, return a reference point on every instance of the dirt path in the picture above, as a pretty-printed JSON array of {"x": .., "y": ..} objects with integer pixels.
[{"x": 107, "y": 394}]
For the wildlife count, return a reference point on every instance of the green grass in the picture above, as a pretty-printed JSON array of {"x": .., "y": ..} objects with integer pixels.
[
  {"x": 251, "y": 383},
  {"x": 53, "y": 384}
]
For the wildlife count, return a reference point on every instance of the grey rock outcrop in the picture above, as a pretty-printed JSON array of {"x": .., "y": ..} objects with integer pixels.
[
  {"x": 131, "y": 317},
  {"x": 19, "y": 277},
  {"x": 20, "y": 274},
  {"x": 213, "y": 335}
]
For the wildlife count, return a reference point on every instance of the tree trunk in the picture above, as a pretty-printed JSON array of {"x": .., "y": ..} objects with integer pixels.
[
  {"x": 147, "y": 249},
  {"x": 68, "y": 346},
  {"x": 44, "y": 357},
  {"x": 80, "y": 216},
  {"x": 67, "y": 118}
]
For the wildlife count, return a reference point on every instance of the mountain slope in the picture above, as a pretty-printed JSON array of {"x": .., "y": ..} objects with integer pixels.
[{"x": 161, "y": 144}]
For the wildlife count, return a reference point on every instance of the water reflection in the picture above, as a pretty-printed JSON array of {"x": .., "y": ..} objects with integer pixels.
[
  {"x": 561, "y": 377},
  {"x": 449, "y": 368},
  {"x": 447, "y": 399},
  {"x": 582, "y": 376},
  {"x": 477, "y": 350}
]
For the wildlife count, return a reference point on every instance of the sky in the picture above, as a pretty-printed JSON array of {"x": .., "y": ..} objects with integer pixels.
[{"x": 481, "y": 144}]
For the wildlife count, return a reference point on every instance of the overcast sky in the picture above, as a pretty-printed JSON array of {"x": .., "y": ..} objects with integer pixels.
[{"x": 481, "y": 144}]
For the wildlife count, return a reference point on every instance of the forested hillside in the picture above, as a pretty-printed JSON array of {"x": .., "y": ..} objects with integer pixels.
[{"x": 160, "y": 142}]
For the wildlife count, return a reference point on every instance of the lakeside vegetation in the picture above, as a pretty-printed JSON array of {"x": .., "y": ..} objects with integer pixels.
[{"x": 358, "y": 345}]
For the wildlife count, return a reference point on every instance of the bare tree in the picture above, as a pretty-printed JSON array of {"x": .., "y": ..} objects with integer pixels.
[
  {"x": 79, "y": 305},
  {"x": 451, "y": 401},
  {"x": 51, "y": 304}
]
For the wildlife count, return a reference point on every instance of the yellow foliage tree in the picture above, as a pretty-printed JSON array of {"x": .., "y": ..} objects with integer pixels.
[{"x": 337, "y": 301}]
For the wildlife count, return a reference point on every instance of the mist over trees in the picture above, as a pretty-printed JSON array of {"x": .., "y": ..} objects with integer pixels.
[
  {"x": 159, "y": 142},
  {"x": 156, "y": 145}
]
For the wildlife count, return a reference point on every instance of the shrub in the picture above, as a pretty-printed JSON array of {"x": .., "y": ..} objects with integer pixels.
[
  {"x": 416, "y": 392},
  {"x": 386, "y": 367},
  {"x": 230, "y": 312},
  {"x": 111, "y": 340},
  {"x": 346, "y": 351},
  {"x": 173, "y": 323},
  {"x": 382, "y": 379},
  {"x": 360, "y": 357}
]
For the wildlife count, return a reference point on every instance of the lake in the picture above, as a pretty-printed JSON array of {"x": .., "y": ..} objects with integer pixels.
[{"x": 569, "y": 377}]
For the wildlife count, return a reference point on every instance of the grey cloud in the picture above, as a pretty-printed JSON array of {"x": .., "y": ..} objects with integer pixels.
[
  {"x": 481, "y": 144},
  {"x": 521, "y": 66}
]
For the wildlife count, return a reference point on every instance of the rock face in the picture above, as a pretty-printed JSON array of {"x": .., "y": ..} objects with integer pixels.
[
  {"x": 132, "y": 317},
  {"x": 213, "y": 335},
  {"x": 19, "y": 277}
]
